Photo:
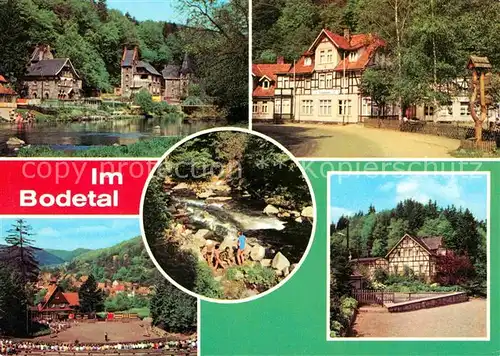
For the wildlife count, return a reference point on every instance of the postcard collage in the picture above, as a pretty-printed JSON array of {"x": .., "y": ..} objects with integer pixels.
[{"x": 249, "y": 177}]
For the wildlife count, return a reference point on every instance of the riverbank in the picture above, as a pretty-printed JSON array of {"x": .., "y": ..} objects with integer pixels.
[
  {"x": 208, "y": 213},
  {"x": 154, "y": 147}
]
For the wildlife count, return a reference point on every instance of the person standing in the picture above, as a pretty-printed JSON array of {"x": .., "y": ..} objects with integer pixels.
[{"x": 241, "y": 247}]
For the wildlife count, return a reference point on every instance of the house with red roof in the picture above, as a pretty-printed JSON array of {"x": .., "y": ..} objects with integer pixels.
[
  {"x": 57, "y": 304},
  {"x": 264, "y": 83},
  {"x": 323, "y": 85},
  {"x": 7, "y": 98}
]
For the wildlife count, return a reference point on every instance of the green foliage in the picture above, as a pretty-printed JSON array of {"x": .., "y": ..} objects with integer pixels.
[
  {"x": 173, "y": 310},
  {"x": 154, "y": 147},
  {"x": 122, "y": 302},
  {"x": 13, "y": 302},
  {"x": 205, "y": 284},
  {"x": 380, "y": 275},
  {"x": 263, "y": 278},
  {"x": 91, "y": 297}
]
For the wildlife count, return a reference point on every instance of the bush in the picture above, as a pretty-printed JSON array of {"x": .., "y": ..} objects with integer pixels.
[
  {"x": 205, "y": 284},
  {"x": 262, "y": 277},
  {"x": 380, "y": 275}
]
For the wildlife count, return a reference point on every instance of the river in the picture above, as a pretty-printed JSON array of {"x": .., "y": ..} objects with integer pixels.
[{"x": 82, "y": 135}]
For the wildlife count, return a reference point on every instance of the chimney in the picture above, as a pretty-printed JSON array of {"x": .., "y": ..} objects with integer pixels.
[
  {"x": 347, "y": 34},
  {"x": 280, "y": 60}
]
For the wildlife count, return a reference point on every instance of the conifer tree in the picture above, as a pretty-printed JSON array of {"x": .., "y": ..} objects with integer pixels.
[{"x": 91, "y": 297}]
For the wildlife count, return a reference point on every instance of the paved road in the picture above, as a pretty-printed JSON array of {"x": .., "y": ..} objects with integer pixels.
[
  {"x": 456, "y": 320},
  {"x": 317, "y": 140}
]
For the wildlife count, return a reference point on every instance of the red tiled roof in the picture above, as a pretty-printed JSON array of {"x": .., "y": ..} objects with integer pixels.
[
  {"x": 72, "y": 298},
  {"x": 2, "y": 79},
  {"x": 6, "y": 91},
  {"x": 269, "y": 71},
  {"x": 52, "y": 288},
  {"x": 369, "y": 41}
]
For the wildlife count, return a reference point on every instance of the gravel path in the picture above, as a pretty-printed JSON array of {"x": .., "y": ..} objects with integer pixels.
[
  {"x": 457, "y": 320},
  {"x": 317, "y": 140}
]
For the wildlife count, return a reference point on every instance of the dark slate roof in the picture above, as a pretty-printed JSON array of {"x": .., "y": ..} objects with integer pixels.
[
  {"x": 187, "y": 65},
  {"x": 479, "y": 62},
  {"x": 148, "y": 67},
  {"x": 47, "y": 67},
  {"x": 171, "y": 71},
  {"x": 128, "y": 57},
  {"x": 433, "y": 242}
]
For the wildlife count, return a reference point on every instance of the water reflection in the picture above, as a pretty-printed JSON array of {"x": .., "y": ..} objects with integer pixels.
[{"x": 81, "y": 135}]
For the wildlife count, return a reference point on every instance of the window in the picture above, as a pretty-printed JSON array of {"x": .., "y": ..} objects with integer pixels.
[
  {"x": 307, "y": 107},
  {"x": 280, "y": 82},
  {"x": 396, "y": 269},
  {"x": 345, "y": 107},
  {"x": 450, "y": 108},
  {"x": 321, "y": 81},
  {"x": 277, "y": 106},
  {"x": 255, "y": 108},
  {"x": 321, "y": 57},
  {"x": 421, "y": 269},
  {"x": 144, "y": 76},
  {"x": 308, "y": 84},
  {"x": 265, "y": 84},
  {"x": 307, "y": 61},
  {"x": 264, "y": 107},
  {"x": 428, "y": 110},
  {"x": 329, "y": 80},
  {"x": 325, "y": 107},
  {"x": 353, "y": 56},
  {"x": 286, "y": 82},
  {"x": 329, "y": 56},
  {"x": 464, "y": 109},
  {"x": 367, "y": 107}
]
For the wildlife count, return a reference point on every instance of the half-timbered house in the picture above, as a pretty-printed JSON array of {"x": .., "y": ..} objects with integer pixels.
[
  {"x": 419, "y": 254},
  {"x": 264, "y": 84},
  {"x": 323, "y": 85},
  {"x": 368, "y": 265}
]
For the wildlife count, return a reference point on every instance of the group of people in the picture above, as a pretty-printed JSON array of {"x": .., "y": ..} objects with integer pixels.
[
  {"x": 9, "y": 347},
  {"x": 55, "y": 326},
  {"x": 19, "y": 119},
  {"x": 217, "y": 258}
]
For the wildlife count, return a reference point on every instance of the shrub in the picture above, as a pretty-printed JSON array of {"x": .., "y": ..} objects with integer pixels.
[
  {"x": 263, "y": 277},
  {"x": 205, "y": 284},
  {"x": 380, "y": 275}
]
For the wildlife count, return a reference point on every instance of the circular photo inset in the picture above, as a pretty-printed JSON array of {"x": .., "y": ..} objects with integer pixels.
[{"x": 227, "y": 215}]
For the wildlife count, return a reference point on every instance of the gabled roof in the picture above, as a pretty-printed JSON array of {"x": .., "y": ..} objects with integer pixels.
[
  {"x": 369, "y": 42},
  {"x": 129, "y": 56},
  {"x": 49, "y": 67},
  {"x": 187, "y": 65},
  {"x": 478, "y": 62},
  {"x": 171, "y": 71},
  {"x": 366, "y": 259},
  {"x": 148, "y": 67},
  {"x": 72, "y": 298},
  {"x": 269, "y": 71},
  {"x": 429, "y": 244}
]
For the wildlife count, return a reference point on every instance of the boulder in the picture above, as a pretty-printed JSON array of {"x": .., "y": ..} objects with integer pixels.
[
  {"x": 280, "y": 262},
  {"x": 266, "y": 262},
  {"x": 229, "y": 242},
  {"x": 293, "y": 266},
  {"x": 286, "y": 271},
  {"x": 181, "y": 186},
  {"x": 308, "y": 212},
  {"x": 295, "y": 213},
  {"x": 257, "y": 253},
  {"x": 271, "y": 210},
  {"x": 14, "y": 141},
  {"x": 205, "y": 195},
  {"x": 279, "y": 273},
  {"x": 217, "y": 199},
  {"x": 203, "y": 234},
  {"x": 199, "y": 241},
  {"x": 299, "y": 220}
]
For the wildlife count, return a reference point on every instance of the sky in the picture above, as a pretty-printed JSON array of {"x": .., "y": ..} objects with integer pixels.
[
  {"x": 352, "y": 193},
  {"x": 156, "y": 10},
  {"x": 70, "y": 234}
]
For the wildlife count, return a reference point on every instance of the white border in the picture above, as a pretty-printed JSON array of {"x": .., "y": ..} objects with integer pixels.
[
  {"x": 488, "y": 264},
  {"x": 311, "y": 238}
]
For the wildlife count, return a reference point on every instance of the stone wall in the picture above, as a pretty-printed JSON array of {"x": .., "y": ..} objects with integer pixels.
[{"x": 432, "y": 302}]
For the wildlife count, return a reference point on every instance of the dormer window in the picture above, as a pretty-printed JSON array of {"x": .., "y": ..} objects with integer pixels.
[
  {"x": 307, "y": 61},
  {"x": 265, "y": 84},
  {"x": 353, "y": 56}
]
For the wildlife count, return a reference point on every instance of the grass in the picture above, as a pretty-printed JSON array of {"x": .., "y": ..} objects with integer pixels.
[
  {"x": 39, "y": 117},
  {"x": 142, "y": 312},
  {"x": 154, "y": 147},
  {"x": 469, "y": 153}
]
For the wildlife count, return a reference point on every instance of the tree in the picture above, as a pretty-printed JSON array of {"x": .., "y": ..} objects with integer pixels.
[
  {"x": 91, "y": 297},
  {"x": 437, "y": 227},
  {"x": 453, "y": 269},
  {"x": 173, "y": 310},
  {"x": 19, "y": 253},
  {"x": 13, "y": 302},
  {"x": 377, "y": 84}
]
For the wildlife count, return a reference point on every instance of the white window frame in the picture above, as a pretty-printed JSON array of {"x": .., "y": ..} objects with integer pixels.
[
  {"x": 325, "y": 107},
  {"x": 307, "y": 61},
  {"x": 329, "y": 81},
  {"x": 265, "y": 107},
  {"x": 345, "y": 107},
  {"x": 265, "y": 84},
  {"x": 321, "y": 81},
  {"x": 321, "y": 57},
  {"x": 329, "y": 56},
  {"x": 306, "y": 107},
  {"x": 255, "y": 108}
]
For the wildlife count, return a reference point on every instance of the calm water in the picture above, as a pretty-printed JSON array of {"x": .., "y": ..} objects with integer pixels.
[{"x": 81, "y": 135}]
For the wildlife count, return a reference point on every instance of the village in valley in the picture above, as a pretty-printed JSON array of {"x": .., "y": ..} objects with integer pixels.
[
  {"x": 94, "y": 300},
  {"x": 391, "y": 89},
  {"x": 418, "y": 252},
  {"x": 84, "y": 75}
]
